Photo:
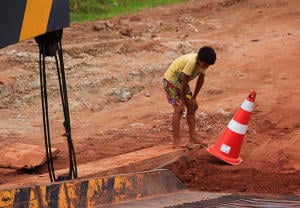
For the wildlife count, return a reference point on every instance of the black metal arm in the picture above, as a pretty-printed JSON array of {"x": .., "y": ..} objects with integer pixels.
[{"x": 50, "y": 45}]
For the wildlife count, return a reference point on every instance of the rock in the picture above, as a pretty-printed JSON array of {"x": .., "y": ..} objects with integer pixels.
[
  {"x": 5, "y": 90},
  {"x": 7, "y": 171},
  {"x": 5, "y": 86},
  {"x": 99, "y": 25},
  {"x": 123, "y": 94},
  {"x": 147, "y": 94},
  {"x": 23, "y": 156},
  {"x": 5, "y": 81}
]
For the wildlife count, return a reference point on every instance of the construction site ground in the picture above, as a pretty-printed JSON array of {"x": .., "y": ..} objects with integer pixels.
[{"x": 114, "y": 72}]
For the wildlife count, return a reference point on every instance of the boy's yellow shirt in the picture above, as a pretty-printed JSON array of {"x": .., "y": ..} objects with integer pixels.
[{"x": 183, "y": 64}]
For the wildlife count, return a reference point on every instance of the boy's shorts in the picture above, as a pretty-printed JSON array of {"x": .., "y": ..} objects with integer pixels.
[{"x": 173, "y": 92}]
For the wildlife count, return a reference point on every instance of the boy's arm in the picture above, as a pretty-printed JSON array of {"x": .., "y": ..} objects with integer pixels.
[{"x": 199, "y": 84}]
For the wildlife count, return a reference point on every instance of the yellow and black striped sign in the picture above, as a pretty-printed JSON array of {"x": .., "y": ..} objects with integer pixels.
[
  {"x": 24, "y": 19},
  {"x": 93, "y": 192}
]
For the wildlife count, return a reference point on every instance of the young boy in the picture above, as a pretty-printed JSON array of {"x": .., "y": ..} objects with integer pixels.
[{"x": 176, "y": 79}]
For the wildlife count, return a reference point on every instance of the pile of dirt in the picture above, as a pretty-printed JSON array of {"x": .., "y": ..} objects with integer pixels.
[{"x": 202, "y": 172}]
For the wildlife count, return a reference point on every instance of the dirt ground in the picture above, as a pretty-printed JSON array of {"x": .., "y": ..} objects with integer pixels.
[{"x": 257, "y": 44}]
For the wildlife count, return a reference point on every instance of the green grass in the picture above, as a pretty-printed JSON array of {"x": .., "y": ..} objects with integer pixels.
[{"x": 86, "y": 10}]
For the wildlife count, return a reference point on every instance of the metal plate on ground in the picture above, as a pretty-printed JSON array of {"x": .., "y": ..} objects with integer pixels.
[
  {"x": 190, "y": 199},
  {"x": 240, "y": 201}
]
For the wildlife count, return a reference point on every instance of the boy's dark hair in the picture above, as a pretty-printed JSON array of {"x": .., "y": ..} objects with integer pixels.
[{"x": 207, "y": 54}]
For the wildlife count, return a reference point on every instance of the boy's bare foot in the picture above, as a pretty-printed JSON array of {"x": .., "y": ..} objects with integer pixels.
[
  {"x": 193, "y": 141},
  {"x": 179, "y": 145}
]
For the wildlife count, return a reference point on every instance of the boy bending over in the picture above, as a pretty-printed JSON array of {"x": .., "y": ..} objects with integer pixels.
[{"x": 176, "y": 84}]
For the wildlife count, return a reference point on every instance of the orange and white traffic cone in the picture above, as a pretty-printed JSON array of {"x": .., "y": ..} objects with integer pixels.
[{"x": 228, "y": 147}]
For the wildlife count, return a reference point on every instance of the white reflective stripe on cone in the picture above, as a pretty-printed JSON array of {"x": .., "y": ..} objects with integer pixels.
[
  {"x": 247, "y": 106},
  {"x": 237, "y": 127}
]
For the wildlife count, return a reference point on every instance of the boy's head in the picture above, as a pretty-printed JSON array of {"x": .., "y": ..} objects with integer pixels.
[{"x": 207, "y": 55}]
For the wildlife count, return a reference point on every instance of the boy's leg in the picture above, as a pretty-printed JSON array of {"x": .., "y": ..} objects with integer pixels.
[
  {"x": 176, "y": 126},
  {"x": 173, "y": 95},
  {"x": 191, "y": 120}
]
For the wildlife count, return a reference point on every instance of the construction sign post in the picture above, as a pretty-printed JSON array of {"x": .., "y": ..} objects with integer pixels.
[
  {"x": 43, "y": 20},
  {"x": 228, "y": 147}
]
